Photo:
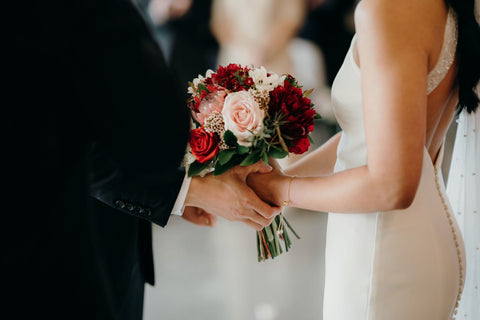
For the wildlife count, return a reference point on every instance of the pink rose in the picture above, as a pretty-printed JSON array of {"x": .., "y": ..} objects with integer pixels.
[
  {"x": 243, "y": 116},
  {"x": 212, "y": 102}
]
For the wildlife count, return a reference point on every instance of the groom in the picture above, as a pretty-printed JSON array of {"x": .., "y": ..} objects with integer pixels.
[{"x": 94, "y": 111}]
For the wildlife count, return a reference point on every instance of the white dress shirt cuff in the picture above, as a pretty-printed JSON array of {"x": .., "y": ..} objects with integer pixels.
[{"x": 182, "y": 195}]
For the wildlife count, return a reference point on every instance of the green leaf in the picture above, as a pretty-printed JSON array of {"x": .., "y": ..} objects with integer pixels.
[
  {"x": 317, "y": 117},
  {"x": 242, "y": 149},
  {"x": 220, "y": 169},
  {"x": 196, "y": 167},
  {"x": 239, "y": 79},
  {"x": 277, "y": 153},
  {"x": 260, "y": 143},
  {"x": 225, "y": 155},
  {"x": 259, "y": 251},
  {"x": 230, "y": 139},
  {"x": 311, "y": 139},
  {"x": 195, "y": 122},
  {"x": 307, "y": 93},
  {"x": 276, "y": 242},
  {"x": 202, "y": 87},
  {"x": 265, "y": 157},
  {"x": 252, "y": 158},
  {"x": 290, "y": 227},
  {"x": 268, "y": 233},
  {"x": 287, "y": 240},
  {"x": 292, "y": 81},
  {"x": 270, "y": 241}
]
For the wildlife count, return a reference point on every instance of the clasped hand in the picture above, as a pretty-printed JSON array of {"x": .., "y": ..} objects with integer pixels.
[{"x": 247, "y": 194}]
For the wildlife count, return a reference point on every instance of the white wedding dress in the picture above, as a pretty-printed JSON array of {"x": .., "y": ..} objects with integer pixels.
[{"x": 405, "y": 264}]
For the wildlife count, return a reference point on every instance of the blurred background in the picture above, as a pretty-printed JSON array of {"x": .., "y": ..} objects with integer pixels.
[{"x": 205, "y": 273}]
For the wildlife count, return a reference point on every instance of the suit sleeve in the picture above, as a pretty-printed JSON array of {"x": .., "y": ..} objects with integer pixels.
[{"x": 138, "y": 118}]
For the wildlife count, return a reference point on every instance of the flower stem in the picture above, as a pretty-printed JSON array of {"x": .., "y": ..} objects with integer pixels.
[{"x": 282, "y": 142}]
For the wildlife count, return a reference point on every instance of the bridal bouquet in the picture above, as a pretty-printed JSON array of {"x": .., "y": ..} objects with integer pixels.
[{"x": 243, "y": 115}]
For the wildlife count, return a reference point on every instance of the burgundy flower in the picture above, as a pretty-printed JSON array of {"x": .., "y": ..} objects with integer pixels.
[
  {"x": 297, "y": 113},
  {"x": 300, "y": 147},
  {"x": 232, "y": 77}
]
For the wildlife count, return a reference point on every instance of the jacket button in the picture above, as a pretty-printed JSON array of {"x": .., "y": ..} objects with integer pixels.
[
  {"x": 120, "y": 204},
  {"x": 137, "y": 209},
  {"x": 148, "y": 212},
  {"x": 129, "y": 206}
]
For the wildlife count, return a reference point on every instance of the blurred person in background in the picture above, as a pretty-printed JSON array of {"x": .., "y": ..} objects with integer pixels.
[
  {"x": 182, "y": 28},
  {"x": 329, "y": 24}
]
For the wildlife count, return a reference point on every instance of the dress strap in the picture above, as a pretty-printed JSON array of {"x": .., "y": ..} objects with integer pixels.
[{"x": 447, "y": 55}]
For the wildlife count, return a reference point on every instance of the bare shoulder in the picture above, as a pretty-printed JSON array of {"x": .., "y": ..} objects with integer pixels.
[{"x": 405, "y": 20}]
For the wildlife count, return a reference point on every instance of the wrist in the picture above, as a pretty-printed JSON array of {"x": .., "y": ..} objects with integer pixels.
[
  {"x": 286, "y": 191},
  {"x": 191, "y": 200}
]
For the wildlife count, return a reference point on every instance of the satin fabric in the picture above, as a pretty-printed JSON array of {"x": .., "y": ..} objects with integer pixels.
[{"x": 403, "y": 264}]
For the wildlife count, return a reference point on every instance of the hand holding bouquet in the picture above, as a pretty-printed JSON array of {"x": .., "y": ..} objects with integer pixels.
[{"x": 243, "y": 115}]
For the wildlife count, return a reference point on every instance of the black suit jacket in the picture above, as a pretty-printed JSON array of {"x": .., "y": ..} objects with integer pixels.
[{"x": 92, "y": 110}]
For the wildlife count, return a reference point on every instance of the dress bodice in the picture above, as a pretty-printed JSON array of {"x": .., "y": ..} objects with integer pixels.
[
  {"x": 347, "y": 97},
  {"x": 396, "y": 264}
]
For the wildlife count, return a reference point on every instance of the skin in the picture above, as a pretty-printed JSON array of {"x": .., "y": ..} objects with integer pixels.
[
  {"x": 229, "y": 197},
  {"x": 199, "y": 217},
  {"x": 398, "y": 43}
]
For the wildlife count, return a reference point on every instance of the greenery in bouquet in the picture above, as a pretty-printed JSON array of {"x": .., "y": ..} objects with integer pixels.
[{"x": 243, "y": 115}]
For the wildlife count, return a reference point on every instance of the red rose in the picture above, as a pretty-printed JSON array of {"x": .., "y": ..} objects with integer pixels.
[
  {"x": 204, "y": 144},
  {"x": 296, "y": 110},
  {"x": 300, "y": 147}
]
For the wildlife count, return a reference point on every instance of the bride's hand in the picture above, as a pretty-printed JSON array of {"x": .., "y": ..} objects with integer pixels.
[{"x": 270, "y": 187}]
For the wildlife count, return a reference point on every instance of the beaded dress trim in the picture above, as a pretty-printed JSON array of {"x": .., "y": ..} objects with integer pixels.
[
  {"x": 450, "y": 218},
  {"x": 447, "y": 55}
]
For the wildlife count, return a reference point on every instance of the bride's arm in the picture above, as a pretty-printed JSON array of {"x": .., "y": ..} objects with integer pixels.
[
  {"x": 319, "y": 162},
  {"x": 394, "y": 68}
]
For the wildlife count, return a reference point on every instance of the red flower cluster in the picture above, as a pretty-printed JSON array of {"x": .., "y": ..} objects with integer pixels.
[
  {"x": 232, "y": 77},
  {"x": 298, "y": 114}
]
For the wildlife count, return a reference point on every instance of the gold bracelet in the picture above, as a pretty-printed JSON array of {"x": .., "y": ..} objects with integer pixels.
[{"x": 287, "y": 202}]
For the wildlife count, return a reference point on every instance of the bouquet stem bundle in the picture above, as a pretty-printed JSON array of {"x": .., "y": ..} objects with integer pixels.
[{"x": 268, "y": 240}]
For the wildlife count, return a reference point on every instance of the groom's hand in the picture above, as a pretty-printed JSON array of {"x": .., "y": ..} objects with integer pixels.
[
  {"x": 229, "y": 196},
  {"x": 199, "y": 217}
]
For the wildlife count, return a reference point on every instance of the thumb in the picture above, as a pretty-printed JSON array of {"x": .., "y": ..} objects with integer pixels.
[{"x": 260, "y": 167}]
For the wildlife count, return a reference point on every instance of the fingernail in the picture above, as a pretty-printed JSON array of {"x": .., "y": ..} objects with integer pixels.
[{"x": 207, "y": 221}]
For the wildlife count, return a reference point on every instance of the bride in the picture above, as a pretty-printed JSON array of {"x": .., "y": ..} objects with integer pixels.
[{"x": 394, "y": 250}]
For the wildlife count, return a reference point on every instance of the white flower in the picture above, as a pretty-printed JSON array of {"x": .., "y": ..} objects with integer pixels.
[
  {"x": 243, "y": 116},
  {"x": 197, "y": 81},
  {"x": 200, "y": 79},
  {"x": 263, "y": 81},
  {"x": 209, "y": 73}
]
